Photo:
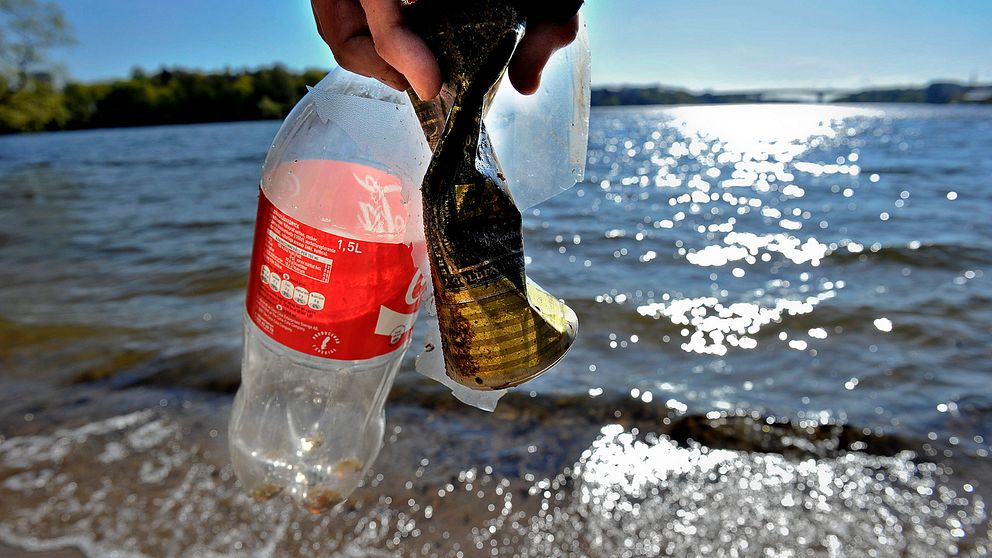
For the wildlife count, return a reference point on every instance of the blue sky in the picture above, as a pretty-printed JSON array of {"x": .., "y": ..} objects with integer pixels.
[{"x": 697, "y": 44}]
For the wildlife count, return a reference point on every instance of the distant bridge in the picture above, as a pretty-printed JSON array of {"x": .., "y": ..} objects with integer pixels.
[{"x": 792, "y": 94}]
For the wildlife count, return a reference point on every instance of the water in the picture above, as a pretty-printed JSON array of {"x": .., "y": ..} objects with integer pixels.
[{"x": 783, "y": 349}]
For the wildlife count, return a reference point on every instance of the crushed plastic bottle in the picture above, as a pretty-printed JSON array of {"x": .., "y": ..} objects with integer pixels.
[{"x": 337, "y": 276}]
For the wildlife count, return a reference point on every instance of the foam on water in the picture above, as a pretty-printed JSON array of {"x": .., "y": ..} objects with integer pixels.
[
  {"x": 136, "y": 485},
  {"x": 166, "y": 492}
]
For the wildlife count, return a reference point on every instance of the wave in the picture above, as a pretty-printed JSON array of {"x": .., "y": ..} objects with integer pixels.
[
  {"x": 212, "y": 370},
  {"x": 19, "y": 335},
  {"x": 925, "y": 321},
  {"x": 930, "y": 256},
  {"x": 740, "y": 430},
  {"x": 203, "y": 281},
  {"x": 205, "y": 225},
  {"x": 218, "y": 371}
]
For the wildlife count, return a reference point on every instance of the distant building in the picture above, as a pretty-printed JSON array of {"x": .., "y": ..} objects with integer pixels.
[{"x": 978, "y": 95}]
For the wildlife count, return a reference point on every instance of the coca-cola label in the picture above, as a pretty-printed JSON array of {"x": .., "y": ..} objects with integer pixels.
[{"x": 328, "y": 295}]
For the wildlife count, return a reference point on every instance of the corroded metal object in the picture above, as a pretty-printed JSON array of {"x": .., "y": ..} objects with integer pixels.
[{"x": 498, "y": 328}]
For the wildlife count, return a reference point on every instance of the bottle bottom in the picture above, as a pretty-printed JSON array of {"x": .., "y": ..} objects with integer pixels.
[
  {"x": 295, "y": 440},
  {"x": 303, "y": 427}
]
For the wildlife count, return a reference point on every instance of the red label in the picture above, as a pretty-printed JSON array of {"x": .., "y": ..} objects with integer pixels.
[{"x": 328, "y": 295}]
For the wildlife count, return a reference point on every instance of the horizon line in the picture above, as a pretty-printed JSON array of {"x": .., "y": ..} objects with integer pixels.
[{"x": 604, "y": 85}]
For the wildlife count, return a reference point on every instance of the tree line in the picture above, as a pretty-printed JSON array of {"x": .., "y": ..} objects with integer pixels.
[
  {"x": 30, "y": 100},
  {"x": 168, "y": 96},
  {"x": 934, "y": 93}
]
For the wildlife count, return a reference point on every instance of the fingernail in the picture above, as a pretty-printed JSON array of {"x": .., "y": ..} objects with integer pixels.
[
  {"x": 420, "y": 93},
  {"x": 391, "y": 83}
]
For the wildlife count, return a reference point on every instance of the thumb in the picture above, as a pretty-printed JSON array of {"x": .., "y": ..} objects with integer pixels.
[{"x": 541, "y": 40}]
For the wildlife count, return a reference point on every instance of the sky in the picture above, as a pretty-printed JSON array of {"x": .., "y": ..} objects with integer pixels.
[{"x": 702, "y": 44}]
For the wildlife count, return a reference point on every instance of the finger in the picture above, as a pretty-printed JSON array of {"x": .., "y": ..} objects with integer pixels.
[
  {"x": 540, "y": 41},
  {"x": 359, "y": 56},
  {"x": 402, "y": 48},
  {"x": 342, "y": 25}
]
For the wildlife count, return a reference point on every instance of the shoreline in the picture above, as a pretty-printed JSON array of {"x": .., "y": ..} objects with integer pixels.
[{"x": 607, "y": 106}]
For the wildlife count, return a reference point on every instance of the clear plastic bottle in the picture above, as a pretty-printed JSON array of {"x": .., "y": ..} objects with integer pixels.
[{"x": 337, "y": 273}]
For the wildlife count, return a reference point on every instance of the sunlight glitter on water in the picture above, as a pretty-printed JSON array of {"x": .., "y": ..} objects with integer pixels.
[
  {"x": 755, "y": 128},
  {"x": 754, "y": 153},
  {"x": 717, "y": 327},
  {"x": 647, "y": 496}
]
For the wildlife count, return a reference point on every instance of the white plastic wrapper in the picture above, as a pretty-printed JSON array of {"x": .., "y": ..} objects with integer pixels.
[{"x": 541, "y": 139}]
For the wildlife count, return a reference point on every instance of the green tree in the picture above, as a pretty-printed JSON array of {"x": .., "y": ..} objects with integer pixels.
[
  {"x": 28, "y": 30},
  {"x": 30, "y": 110},
  {"x": 28, "y": 99},
  {"x": 168, "y": 96}
]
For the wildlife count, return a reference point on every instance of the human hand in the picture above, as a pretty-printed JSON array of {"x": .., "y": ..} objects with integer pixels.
[{"x": 369, "y": 37}]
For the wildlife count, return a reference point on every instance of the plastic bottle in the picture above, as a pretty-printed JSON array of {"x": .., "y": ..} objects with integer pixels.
[{"x": 337, "y": 274}]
